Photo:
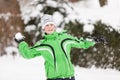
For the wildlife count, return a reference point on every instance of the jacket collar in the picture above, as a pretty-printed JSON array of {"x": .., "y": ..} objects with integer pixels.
[{"x": 54, "y": 35}]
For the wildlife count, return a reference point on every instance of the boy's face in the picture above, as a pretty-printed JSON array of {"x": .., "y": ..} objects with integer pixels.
[{"x": 49, "y": 28}]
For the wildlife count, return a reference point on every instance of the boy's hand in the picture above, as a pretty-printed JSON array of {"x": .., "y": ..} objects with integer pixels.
[
  {"x": 19, "y": 37},
  {"x": 100, "y": 39}
]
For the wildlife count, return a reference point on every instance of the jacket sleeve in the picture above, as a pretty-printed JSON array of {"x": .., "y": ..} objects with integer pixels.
[
  {"x": 81, "y": 43},
  {"x": 26, "y": 51}
]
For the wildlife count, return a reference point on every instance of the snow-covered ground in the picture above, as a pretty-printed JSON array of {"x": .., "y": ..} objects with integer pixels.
[{"x": 21, "y": 69}]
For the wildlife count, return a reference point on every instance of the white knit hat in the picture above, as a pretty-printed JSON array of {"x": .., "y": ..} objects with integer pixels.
[{"x": 46, "y": 19}]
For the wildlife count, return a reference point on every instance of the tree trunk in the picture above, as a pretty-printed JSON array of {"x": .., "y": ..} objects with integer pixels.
[{"x": 10, "y": 23}]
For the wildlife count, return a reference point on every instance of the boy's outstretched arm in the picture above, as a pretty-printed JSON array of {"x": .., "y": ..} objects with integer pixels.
[{"x": 23, "y": 47}]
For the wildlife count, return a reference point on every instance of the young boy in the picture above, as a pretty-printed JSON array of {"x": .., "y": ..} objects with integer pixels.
[{"x": 55, "y": 49}]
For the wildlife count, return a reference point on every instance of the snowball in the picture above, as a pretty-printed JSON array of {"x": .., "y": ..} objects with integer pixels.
[{"x": 19, "y": 36}]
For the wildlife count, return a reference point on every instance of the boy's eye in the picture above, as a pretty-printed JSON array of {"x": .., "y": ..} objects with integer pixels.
[
  {"x": 51, "y": 24},
  {"x": 47, "y": 25}
]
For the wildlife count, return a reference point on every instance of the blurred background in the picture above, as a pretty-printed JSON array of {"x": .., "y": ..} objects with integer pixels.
[{"x": 81, "y": 18}]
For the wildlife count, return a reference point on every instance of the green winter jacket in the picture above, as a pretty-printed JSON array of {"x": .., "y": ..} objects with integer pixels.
[{"x": 55, "y": 48}]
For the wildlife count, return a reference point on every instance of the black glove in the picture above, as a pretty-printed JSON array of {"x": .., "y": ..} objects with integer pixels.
[
  {"x": 19, "y": 37},
  {"x": 100, "y": 39}
]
